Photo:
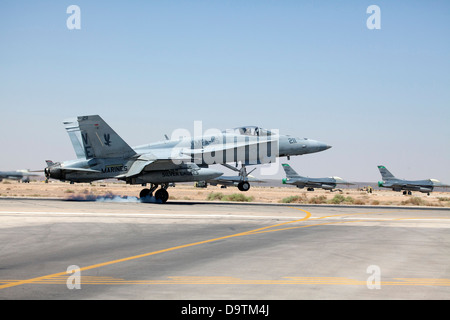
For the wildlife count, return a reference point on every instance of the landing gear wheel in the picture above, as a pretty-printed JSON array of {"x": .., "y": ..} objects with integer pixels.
[
  {"x": 144, "y": 193},
  {"x": 162, "y": 194},
  {"x": 244, "y": 186}
]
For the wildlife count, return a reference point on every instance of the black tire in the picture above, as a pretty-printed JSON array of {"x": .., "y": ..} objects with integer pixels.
[
  {"x": 243, "y": 186},
  {"x": 162, "y": 194},
  {"x": 144, "y": 193}
]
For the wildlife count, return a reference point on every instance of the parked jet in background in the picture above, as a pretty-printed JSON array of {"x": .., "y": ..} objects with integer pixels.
[
  {"x": 242, "y": 181},
  {"x": 102, "y": 154},
  {"x": 23, "y": 175},
  {"x": 424, "y": 186},
  {"x": 293, "y": 178}
]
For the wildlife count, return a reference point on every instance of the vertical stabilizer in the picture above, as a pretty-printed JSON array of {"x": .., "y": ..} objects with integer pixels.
[
  {"x": 385, "y": 174},
  {"x": 100, "y": 141},
  {"x": 74, "y": 132},
  {"x": 290, "y": 173}
]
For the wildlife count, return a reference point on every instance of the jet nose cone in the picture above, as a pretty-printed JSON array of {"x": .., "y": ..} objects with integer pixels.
[
  {"x": 322, "y": 146},
  {"x": 290, "y": 146}
]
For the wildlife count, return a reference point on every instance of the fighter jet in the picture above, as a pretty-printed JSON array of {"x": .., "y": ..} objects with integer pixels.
[
  {"x": 103, "y": 154},
  {"x": 23, "y": 175},
  {"x": 292, "y": 177},
  {"x": 424, "y": 186}
]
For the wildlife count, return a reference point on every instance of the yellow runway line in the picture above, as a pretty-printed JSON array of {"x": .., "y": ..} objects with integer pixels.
[{"x": 99, "y": 265}]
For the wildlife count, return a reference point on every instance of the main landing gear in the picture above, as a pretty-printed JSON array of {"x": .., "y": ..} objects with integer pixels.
[{"x": 160, "y": 194}]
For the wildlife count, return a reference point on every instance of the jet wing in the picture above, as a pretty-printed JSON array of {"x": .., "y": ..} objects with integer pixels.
[
  {"x": 344, "y": 182},
  {"x": 145, "y": 163},
  {"x": 136, "y": 168},
  {"x": 79, "y": 170},
  {"x": 10, "y": 176},
  {"x": 234, "y": 179},
  {"x": 442, "y": 185},
  {"x": 29, "y": 173},
  {"x": 239, "y": 147},
  {"x": 225, "y": 147},
  {"x": 411, "y": 185},
  {"x": 226, "y": 181}
]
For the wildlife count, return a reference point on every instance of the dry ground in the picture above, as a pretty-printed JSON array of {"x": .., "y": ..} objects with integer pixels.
[{"x": 62, "y": 190}]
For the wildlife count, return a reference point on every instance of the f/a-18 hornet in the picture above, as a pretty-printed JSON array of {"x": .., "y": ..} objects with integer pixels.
[
  {"x": 103, "y": 154},
  {"x": 424, "y": 186},
  {"x": 292, "y": 177}
]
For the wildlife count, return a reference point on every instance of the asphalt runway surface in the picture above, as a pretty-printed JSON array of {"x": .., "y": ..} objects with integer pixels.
[{"x": 54, "y": 249}]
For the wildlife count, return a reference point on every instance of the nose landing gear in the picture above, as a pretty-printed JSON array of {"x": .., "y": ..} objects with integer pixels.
[{"x": 243, "y": 186}]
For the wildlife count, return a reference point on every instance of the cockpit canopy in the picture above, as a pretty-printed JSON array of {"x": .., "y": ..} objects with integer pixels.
[{"x": 250, "y": 131}]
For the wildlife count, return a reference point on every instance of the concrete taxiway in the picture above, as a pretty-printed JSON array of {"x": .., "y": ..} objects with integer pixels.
[{"x": 193, "y": 250}]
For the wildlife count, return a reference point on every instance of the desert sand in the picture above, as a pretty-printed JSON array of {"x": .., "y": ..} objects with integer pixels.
[{"x": 188, "y": 192}]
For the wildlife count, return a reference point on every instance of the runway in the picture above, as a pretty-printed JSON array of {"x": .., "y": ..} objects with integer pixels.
[{"x": 226, "y": 251}]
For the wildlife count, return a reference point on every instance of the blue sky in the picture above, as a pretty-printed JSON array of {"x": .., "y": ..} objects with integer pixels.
[{"x": 308, "y": 68}]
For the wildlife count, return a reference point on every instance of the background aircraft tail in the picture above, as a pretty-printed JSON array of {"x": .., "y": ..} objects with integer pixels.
[
  {"x": 385, "y": 174},
  {"x": 99, "y": 140},
  {"x": 290, "y": 173}
]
